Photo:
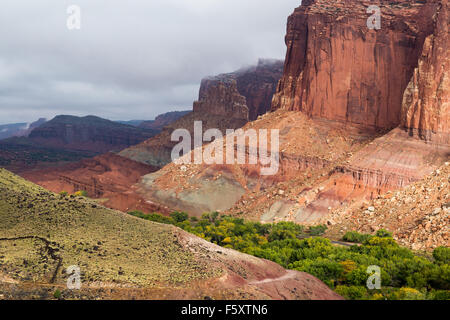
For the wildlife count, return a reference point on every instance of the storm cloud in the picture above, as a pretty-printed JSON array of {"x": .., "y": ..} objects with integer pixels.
[{"x": 131, "y": 59}]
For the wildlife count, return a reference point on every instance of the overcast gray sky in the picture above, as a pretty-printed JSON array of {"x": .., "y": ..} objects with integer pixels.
[{"x": 132, "y": 59}]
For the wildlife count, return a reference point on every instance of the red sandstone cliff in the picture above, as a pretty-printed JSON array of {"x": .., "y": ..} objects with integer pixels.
[
  {"x": 426, "y": 102},
  {"x": 221, "y": 98},
  {"x": 338, "y": 69},
  {"x": 257, "y": 84}
]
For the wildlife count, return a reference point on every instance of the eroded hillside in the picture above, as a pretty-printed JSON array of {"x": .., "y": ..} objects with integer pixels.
[
  {"x": 418, "y": 216},
  {"x": 122, "y": 257}
]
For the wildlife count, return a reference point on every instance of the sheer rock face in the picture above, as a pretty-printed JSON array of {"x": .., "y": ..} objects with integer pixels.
[
  {"x": 222, "y": 98},
  {"x": 338, "y": 69},
  {"x": 426, "y": 106},
  {"x": 253, "y": 87}
]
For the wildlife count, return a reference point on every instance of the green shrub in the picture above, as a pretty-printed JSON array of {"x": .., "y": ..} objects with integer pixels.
[
  {"x": 409, "y": 294},
  {"x": 352, "y": 292},
  {"x": 152, "y": 217},
  {"x": 179, "y": 216},
  {"x": 442, "y": 255},
  {"x": 440, "y": 295},
  {"x": 356, "y": 237},
  {"x": 382, "y": 233},
  {"x": 404, "y": 275},
  {"x": 57, "y": 294},
  {"x": 81, "y": 193},
  {"x": 285, "y": 230},
  {"x": 326, "y": 270},
  {"x": 317, "y": 230}
]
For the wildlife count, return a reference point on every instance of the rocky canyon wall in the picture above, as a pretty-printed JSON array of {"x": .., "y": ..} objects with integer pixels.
[
  {"x": 109, "y": 177},
  {"x": 338, "y": 69},
  {"x": 252, "y": 86},
  {"x": 426, "y": 102},
  {"x": 221, "y": 98}
]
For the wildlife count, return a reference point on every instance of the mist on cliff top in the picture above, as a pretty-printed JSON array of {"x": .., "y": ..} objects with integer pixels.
[{"x": 131, "y": 59}]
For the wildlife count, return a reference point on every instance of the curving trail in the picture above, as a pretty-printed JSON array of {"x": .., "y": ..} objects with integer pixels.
[{"x": 290, "y": 274}]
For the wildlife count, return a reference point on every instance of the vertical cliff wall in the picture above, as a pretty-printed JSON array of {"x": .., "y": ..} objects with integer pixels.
[
  {"x": 426, "y": 102},
  {"x": 255, "y": 85},
  {"x": 221, "y": 98},
  {"x": 338, "y": 69}
]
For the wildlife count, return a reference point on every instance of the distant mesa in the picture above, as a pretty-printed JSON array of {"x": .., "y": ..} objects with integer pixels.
[
  {"x": 19, "y": 129},
  {"x": 134, "y": 123},
  {"x": 66, "y": 139},
  {"x": 163, "y": 120},
  {"x": 88, "y": 133}
]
